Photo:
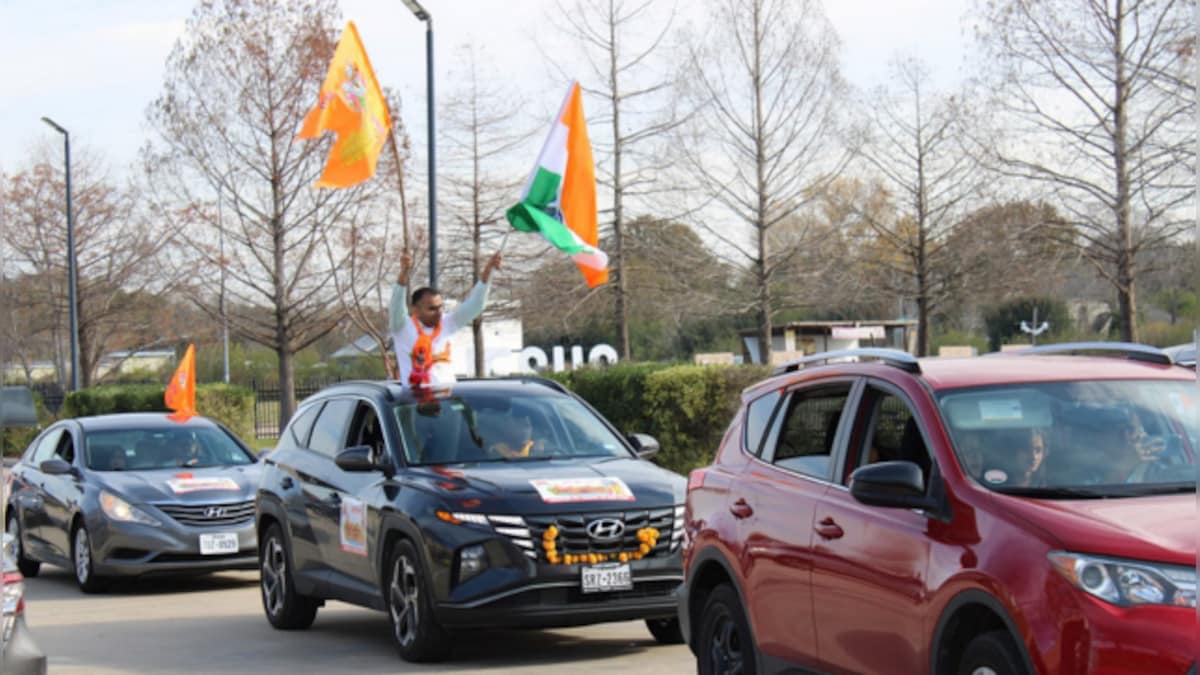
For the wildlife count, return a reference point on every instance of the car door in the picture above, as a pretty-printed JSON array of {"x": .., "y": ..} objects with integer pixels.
[
  {"x": 61, "y": 495},
  {"x": 29, "y": 494},
  {"x": 347, "y": 550},
  {"x": 870, "y": 563},
  {"x": 775, "y": 501},
  {"x": 293, "y": 463}
]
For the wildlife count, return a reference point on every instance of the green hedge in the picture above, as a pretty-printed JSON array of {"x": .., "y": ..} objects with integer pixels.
[
  {"x": 231, "y": 405},
  {"x": 687, "y": 408}
]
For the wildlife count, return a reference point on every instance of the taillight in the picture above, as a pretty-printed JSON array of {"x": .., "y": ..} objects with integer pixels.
[
  {"x": 695, "y": 479},
  {"x": 12, "y": 594}
]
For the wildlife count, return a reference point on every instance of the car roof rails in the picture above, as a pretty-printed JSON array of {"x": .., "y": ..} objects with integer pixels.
[
  {"x": 384, "y": 386},
  {"x": 892, "y": 357},
  {"x": 1130, "y": 350},
  {"x": 536, "y": 379}
]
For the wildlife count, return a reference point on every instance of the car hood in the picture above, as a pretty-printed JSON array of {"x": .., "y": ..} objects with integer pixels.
[
  {"x": 1156, "y": 528},
  {"x": 190, "y": 486},
  {"x": 565, "y": 485}
]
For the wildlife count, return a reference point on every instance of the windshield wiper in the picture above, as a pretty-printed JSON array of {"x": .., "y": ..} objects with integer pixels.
[{"x": 1100, "y": 491}]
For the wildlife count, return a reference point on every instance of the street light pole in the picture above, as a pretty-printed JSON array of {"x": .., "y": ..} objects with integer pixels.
[
  {"x": 422, "y": 15},
  {"x": 71, "y": 283}
]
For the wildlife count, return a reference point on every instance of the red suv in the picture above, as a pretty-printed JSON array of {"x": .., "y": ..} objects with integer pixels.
[{"x": 1002, "y": 514}]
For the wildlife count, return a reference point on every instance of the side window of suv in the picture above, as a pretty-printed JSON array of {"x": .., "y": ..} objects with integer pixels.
[
  {"x": 891, "y": 434},
  {"x": 807, "y": 431},
  {"x": 366, "y": 429},
  {"x": 758, "y": 420},
  {"x": 329, "y": 433},
  {"x": 296, "y": 435}
]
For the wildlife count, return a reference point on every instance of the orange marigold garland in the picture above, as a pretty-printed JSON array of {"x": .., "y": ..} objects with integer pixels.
[{"x": 647, "y": 537}]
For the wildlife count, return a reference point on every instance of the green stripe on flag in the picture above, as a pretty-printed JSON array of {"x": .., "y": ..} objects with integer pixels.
[
  {"x": 543, "y": 190},
  {"x": 528, "y": 217}
]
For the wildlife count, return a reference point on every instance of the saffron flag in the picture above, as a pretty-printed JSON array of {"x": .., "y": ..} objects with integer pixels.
[
  {"x": 351, "y": 104},
  {"x": 181, "y": 390},
  {"x": 559, "y": 200}
]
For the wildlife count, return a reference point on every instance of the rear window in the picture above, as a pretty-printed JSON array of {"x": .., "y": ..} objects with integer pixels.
[
  {"x": 149, "y": 449},
  {"x": 1090, "y": 438}
]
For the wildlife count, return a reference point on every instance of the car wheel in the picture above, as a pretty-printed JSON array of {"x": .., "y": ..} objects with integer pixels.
[
  {"x": 419, "y": 638},
  {"x": 991, "y": 653},
  {"x": 724, "y": 644},
  {"x": 285, "y": 608},
  {"x": 84, "y": 561},
  {"x": 28, "y": 566},
  {"x": 665, "y": 631}
]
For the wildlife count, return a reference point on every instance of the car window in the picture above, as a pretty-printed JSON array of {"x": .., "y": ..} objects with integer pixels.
[
  {"x": 758, "y": 417},
  {"x": 484, "y": 427},
  {"x": 296, "y": 435},
  {"x": 808, "y": 428},
  {"x": 65, "y": 450},
  {"x": 329, "y": 431},
  {"x": 46, "y": 446},
  {"x": 1081, "y": 438},
  {"x": 162, "y": 448},
  {"x": 891, "y": 433},
  {"x": 366, "y": 429}
]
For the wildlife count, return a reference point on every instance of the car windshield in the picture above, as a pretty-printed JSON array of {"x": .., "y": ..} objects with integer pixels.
[
  {"x": 495, "y": 428},
  {"x": 1077, "y": 439},
  {"x": 149, "y": 449}
]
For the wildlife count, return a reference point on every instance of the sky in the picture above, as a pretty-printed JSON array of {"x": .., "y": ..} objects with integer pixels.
[{"x": 94, "y": 67}]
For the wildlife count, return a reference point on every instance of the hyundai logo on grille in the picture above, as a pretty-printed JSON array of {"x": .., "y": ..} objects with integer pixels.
[
  {"x": 214, "y": 512},
  {"x": 605, "y": 530}
]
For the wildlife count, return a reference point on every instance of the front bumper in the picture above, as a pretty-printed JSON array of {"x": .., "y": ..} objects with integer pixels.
[
  {"x": 135, "y": 549},
  {"x": 19, "y": 655}
]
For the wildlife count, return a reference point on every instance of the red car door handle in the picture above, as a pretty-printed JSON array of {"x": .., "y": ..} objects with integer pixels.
[
  {"x": 828, "y": 529},
  {"x": 740, "y": 509}
]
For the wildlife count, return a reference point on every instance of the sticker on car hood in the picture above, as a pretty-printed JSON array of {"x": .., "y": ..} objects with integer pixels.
[
  {"x": 182, "y": 485},
  {"x": 560, "y": 490}
]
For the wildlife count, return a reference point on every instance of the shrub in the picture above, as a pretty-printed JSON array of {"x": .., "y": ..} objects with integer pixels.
[{"x": 231, "y": 405}]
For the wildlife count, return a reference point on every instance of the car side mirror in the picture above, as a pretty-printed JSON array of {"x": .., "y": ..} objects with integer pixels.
[
  {"x": 645, "y": 445},
  {"x": 55, "y": 467},
  {"x": 357, "y": 459},
  {"x": 890, "y": 484}
]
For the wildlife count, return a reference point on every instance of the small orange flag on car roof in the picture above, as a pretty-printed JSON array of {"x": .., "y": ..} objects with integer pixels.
[
  {"x": 351, "y": 104},
  {"x": 181, "y": 390}
]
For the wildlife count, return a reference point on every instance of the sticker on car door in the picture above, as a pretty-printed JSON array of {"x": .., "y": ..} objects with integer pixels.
[{"x": 352, "y": 526}]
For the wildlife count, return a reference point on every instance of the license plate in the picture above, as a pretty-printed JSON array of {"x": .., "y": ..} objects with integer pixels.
[
  {"x": 602, "y": 578},
  {"x": 218, "y": 543}
]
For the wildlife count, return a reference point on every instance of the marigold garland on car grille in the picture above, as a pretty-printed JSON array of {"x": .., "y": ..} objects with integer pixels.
[{"x": 648, "y": 536}]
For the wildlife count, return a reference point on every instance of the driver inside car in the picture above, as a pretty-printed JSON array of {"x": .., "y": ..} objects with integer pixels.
[{"x": 516, "y": 439}]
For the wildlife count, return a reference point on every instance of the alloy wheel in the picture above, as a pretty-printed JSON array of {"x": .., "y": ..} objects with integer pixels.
[
  {"x": 274, "y": 576},
  {"x": 404, "y": 601},
  {"x": 83, "y": 556},
  {"x": 725, "y": 651}
]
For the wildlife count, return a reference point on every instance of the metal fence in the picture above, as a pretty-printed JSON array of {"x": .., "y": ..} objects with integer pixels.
[{"x": 267, "y": 397}]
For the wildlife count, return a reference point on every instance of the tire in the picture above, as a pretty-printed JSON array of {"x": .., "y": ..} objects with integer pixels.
[
  {"x": 665, "y": 631},
  {"x": 28, "y": 567},
  {"x": 285, "y": 608},
  {"x": 992, "y": 653},
  {"x": 419, "y": 638},
  {"x": 724, "y": 643},
  {"x": 84, "y": 562}
]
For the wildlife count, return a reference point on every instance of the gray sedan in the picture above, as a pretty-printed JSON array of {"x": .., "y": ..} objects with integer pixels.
[{"x": 133, "y": 494}]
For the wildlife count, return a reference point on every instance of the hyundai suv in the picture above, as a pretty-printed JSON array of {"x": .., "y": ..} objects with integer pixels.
[
  {"x": 1001, "y": 514},
  {"x": 504, "y": 502}
]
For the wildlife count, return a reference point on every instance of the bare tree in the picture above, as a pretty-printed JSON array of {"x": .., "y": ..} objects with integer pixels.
[
  {"x": 116, "y": 247},
  {"x": 916, "y": 148},
  {"x": 236, "y": 89},
  {"x": 482, "y": 131},
  {"x": 765, "y": 136},
  {"x": 637, "y": 109},
  {"x": 1099, "y": 93}
]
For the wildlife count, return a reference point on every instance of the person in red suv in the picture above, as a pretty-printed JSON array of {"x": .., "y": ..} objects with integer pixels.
[{"x": 886, "y": 517}]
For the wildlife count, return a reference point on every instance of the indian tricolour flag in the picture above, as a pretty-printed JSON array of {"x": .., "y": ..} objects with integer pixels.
[{"x": 560, "y": 196}]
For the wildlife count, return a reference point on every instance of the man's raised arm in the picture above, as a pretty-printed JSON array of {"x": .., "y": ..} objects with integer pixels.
[
  {"x": 398, "y": 307},
  {"x": 472, "y": 306}
]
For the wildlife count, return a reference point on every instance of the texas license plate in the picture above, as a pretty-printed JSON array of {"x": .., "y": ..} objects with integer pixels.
[
  {"x": 602, "y": 578},
  {"x": 218, "y": 543}
]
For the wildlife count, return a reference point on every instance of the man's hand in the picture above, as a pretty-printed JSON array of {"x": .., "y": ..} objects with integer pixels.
[
  {"x": 405, "y": 268},
  {"x": 493, "y": 263}
]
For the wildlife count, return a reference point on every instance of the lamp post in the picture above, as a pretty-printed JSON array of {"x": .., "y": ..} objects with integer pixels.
[
  {"x": 73, "y": 308},
  {"x": 419, "y": 12}
]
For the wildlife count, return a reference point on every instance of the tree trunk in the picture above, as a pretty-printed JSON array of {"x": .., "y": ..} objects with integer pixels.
[
  {"x": 1126, "y": 294},
  {"x": 618, "y": 215},
  {"x": 287, "y": 387}
]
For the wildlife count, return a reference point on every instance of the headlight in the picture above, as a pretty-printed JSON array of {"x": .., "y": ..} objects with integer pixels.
[
  {"x": 120, "y": 510},
  {"x": 1128, "y": 582}
]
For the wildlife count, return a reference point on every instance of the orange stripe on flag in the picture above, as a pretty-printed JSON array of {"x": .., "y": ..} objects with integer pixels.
[{"x": 579, "y": 183}]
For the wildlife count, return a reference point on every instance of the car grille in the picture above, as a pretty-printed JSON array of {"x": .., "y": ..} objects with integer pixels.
[
  {"x": 210, "y": 515},
  {"x": 527, "y": 532}
]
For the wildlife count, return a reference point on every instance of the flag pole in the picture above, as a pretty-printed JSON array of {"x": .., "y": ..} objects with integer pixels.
[{"x": 400, "y": 186}]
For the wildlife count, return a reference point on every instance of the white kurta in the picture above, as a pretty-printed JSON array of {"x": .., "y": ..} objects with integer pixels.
[{"x": 404, "y": 331}]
